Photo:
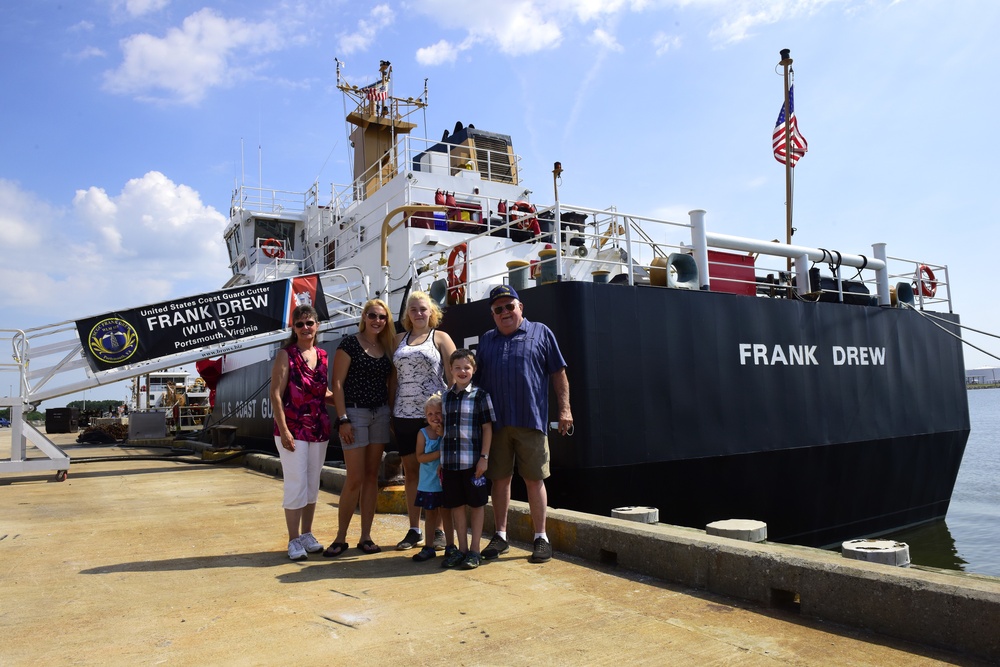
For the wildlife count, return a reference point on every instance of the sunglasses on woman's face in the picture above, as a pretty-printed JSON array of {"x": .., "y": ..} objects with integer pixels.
[
  {"x": 377, "y": 316},
  {"x": 307, "y": 323},
  {"x": 509, "y": 307}
]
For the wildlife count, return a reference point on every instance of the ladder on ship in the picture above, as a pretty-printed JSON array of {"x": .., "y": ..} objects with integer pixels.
[{"x": 50, "y": 362}]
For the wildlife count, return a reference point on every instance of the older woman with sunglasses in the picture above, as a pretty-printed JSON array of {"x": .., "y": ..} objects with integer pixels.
[
  {"x": 299, "y": 391},
  {"x": 362, "y": 366}
]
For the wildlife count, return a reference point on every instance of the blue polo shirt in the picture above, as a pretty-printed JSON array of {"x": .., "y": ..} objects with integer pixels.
[{"x": 515, "y": 370}]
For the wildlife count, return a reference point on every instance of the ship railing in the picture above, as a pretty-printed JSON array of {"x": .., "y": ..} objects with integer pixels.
[
  {"x": 489, "y": 164},
  {"x": 265, "y": 200},
  {"x": 632, "y": 246}
]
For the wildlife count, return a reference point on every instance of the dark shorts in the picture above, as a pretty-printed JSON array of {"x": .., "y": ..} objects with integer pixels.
[
  {"x": 429, "y": 500},
  {"x": 406, "y": 430},
  {"x": 459, "y": 489}
]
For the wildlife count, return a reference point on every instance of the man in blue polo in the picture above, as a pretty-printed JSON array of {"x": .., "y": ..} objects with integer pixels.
[{"x": 516, "y": 361}]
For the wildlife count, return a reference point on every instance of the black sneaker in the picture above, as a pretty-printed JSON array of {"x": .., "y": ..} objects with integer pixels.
[
  {"x": 471, "y": 561},
  {"x": 497, "y": 546},
  {"x": 452, "y": 557},
  {"x": 412, "y": 539},
  {"x": 424, "y": 554},
  {"x": 542, "y": 551}
]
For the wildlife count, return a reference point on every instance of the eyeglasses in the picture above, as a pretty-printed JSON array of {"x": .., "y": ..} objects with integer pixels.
[
  {"x": 307, "y": 323},
  {"x": 509, "y": 307},
  {"x": 376, "y": 316}
]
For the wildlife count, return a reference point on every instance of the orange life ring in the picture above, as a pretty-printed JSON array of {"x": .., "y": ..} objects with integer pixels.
[
  {"x": 526, "y": 222},
  {"x": 928, "y": 287},
  {"x": 457, "y": 277},
  {"x": 272, "y": 248}
]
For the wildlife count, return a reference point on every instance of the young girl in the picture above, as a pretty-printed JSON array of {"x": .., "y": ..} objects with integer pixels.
[{"x": 429, "y": 494}]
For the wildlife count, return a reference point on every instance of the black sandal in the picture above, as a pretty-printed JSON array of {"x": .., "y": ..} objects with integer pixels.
[
  {"x": 369, "y": 547},
  {"x": 335, "y": 549}
]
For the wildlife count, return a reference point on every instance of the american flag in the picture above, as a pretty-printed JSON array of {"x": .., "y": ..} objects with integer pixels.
[
  {"x": 377, "y": 92},
  {"x": 799, "y": 145}
]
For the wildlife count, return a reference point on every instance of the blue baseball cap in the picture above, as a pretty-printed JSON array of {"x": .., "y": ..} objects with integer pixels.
[{"x": 501, "y": 291}]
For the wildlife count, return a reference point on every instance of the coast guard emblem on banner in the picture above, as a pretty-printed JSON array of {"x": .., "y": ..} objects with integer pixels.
[{"x": 113, "y": 340}]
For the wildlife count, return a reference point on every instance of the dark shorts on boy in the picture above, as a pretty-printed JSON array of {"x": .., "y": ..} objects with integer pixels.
[
  {"x": 406, "y": 430},
  {"x": 460, "y": 490},
  {"x": 429, "y": 500}
]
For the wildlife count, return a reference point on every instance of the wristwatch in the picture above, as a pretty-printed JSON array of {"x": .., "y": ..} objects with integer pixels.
[
  {"x": 343, "y": 419},
  {"x": 485, "y": 456}
]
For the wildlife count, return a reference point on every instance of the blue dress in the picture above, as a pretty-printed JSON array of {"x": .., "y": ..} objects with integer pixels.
[{"x": 429, "y": 481}]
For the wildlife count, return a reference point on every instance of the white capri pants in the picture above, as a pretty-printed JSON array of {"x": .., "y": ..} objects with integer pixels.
[{"x": 301, "y": 470}]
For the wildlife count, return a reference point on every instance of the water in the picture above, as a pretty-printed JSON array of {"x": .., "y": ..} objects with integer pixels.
[{"x": 969, "y": 537}]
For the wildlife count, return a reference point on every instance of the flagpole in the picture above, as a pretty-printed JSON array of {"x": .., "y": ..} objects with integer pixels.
[{"x": 786, "y": 63}]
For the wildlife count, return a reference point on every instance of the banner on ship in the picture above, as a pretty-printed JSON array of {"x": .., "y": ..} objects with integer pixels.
[{"x": 142, "y": 334}]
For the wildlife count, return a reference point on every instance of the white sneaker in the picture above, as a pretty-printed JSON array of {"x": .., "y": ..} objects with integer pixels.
[
  {"x": 295, "y": 550},
  {"x": 310, "y": 543}
]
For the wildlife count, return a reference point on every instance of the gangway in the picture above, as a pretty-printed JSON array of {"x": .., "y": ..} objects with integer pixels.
[{"x": 52, "y": 361}]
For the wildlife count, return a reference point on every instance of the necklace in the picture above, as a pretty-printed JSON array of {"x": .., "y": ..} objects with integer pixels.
[{"x": 367, "y": 345}]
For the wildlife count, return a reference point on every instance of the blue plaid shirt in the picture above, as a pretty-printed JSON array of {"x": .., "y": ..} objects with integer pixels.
[
  {"x": 516, "y": 370},
  {"x": 465, "y": 412}
]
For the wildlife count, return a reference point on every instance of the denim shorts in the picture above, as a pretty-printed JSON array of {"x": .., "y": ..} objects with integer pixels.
[{"x": 369, "y": 426}]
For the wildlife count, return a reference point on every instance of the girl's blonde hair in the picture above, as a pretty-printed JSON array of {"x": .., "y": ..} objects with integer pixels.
[
  {"x": 433, "y": 399},
  {"x": 433, "y": 321},
  {"x": 386, "y": 339}
]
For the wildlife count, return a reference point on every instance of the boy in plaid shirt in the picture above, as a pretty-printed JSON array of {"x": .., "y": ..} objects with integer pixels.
[{"x": 465, "y": 450}]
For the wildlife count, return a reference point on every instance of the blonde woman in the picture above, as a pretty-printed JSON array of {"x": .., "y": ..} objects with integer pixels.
[
  {"x": 420, "y": 372},
  {"x": 362, "y": 367}
]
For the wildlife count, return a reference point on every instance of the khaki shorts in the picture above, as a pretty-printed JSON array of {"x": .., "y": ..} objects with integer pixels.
[{"x": 527, "y": 446}]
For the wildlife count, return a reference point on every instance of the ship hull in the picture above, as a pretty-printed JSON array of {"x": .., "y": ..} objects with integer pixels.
[{"x": 827, "y": 421}]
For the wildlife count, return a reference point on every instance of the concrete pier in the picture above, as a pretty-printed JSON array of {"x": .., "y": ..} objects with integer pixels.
[{"x": 148, "y": 561}]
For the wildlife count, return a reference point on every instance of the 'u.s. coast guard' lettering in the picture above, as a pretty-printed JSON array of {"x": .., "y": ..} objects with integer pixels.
[{"x": 759, "y": 354}]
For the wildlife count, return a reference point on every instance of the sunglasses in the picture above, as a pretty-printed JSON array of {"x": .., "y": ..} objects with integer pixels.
[
  {"x": 509, "y": 307},
  {"x": 376, "y": 316},
  {"x": 307, "y": 323}
]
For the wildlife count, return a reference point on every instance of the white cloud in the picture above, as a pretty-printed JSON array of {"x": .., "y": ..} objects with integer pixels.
[
  {"x": 20, "y": 212},
  {"x": 516, "y": 27},
  {"x": 137, "y": 8},
  {"x": 437, "y": 54},
  {"x": 605, "y": 40},
  {"x": 520, "y": 27},
  {"x": 189, "y": 60},
  {"x": 380, "y": 17},
  {"x": 740, "y": 18},
  {"x": 88, "y": 52},
  {"x": 664, "y": 43},
  {"x": 153, "y": 241}
]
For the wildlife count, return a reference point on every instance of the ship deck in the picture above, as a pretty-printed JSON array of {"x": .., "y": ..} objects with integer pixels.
[{"x": 157, "y": 561}]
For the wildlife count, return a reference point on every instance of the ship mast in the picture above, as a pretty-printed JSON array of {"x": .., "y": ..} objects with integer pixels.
[{"x": 379, "y": 118}]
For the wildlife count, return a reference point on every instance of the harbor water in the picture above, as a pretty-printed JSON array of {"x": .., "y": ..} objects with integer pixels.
[{"x": 969, "y": 537}]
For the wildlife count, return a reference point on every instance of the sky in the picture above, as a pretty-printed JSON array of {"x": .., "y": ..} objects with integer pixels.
[{"x": 126, "y": 124}]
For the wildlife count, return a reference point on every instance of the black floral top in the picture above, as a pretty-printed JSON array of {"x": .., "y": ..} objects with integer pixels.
[{"x": 367, "y": 382}]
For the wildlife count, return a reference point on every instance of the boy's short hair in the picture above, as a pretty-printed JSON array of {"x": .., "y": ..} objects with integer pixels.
[
  {"x": 462, "y": 353},
  {"x": 433, "y": 399}
]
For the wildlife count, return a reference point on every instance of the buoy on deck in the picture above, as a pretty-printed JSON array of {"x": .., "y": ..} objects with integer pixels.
[
  {"x": 747, "y": 530},
  {"x": 886, "y": 552},
  {"x": 638, "y": 514}
]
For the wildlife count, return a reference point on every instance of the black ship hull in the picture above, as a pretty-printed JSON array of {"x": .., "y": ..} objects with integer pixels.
[{"x": 827, "y": 421}]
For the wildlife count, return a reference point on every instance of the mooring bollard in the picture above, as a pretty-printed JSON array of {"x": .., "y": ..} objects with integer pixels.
[
  {"x": 747, "y": 530},
  {"x": 638, "y": 514},
  {"x": 886, "y": 552}
]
